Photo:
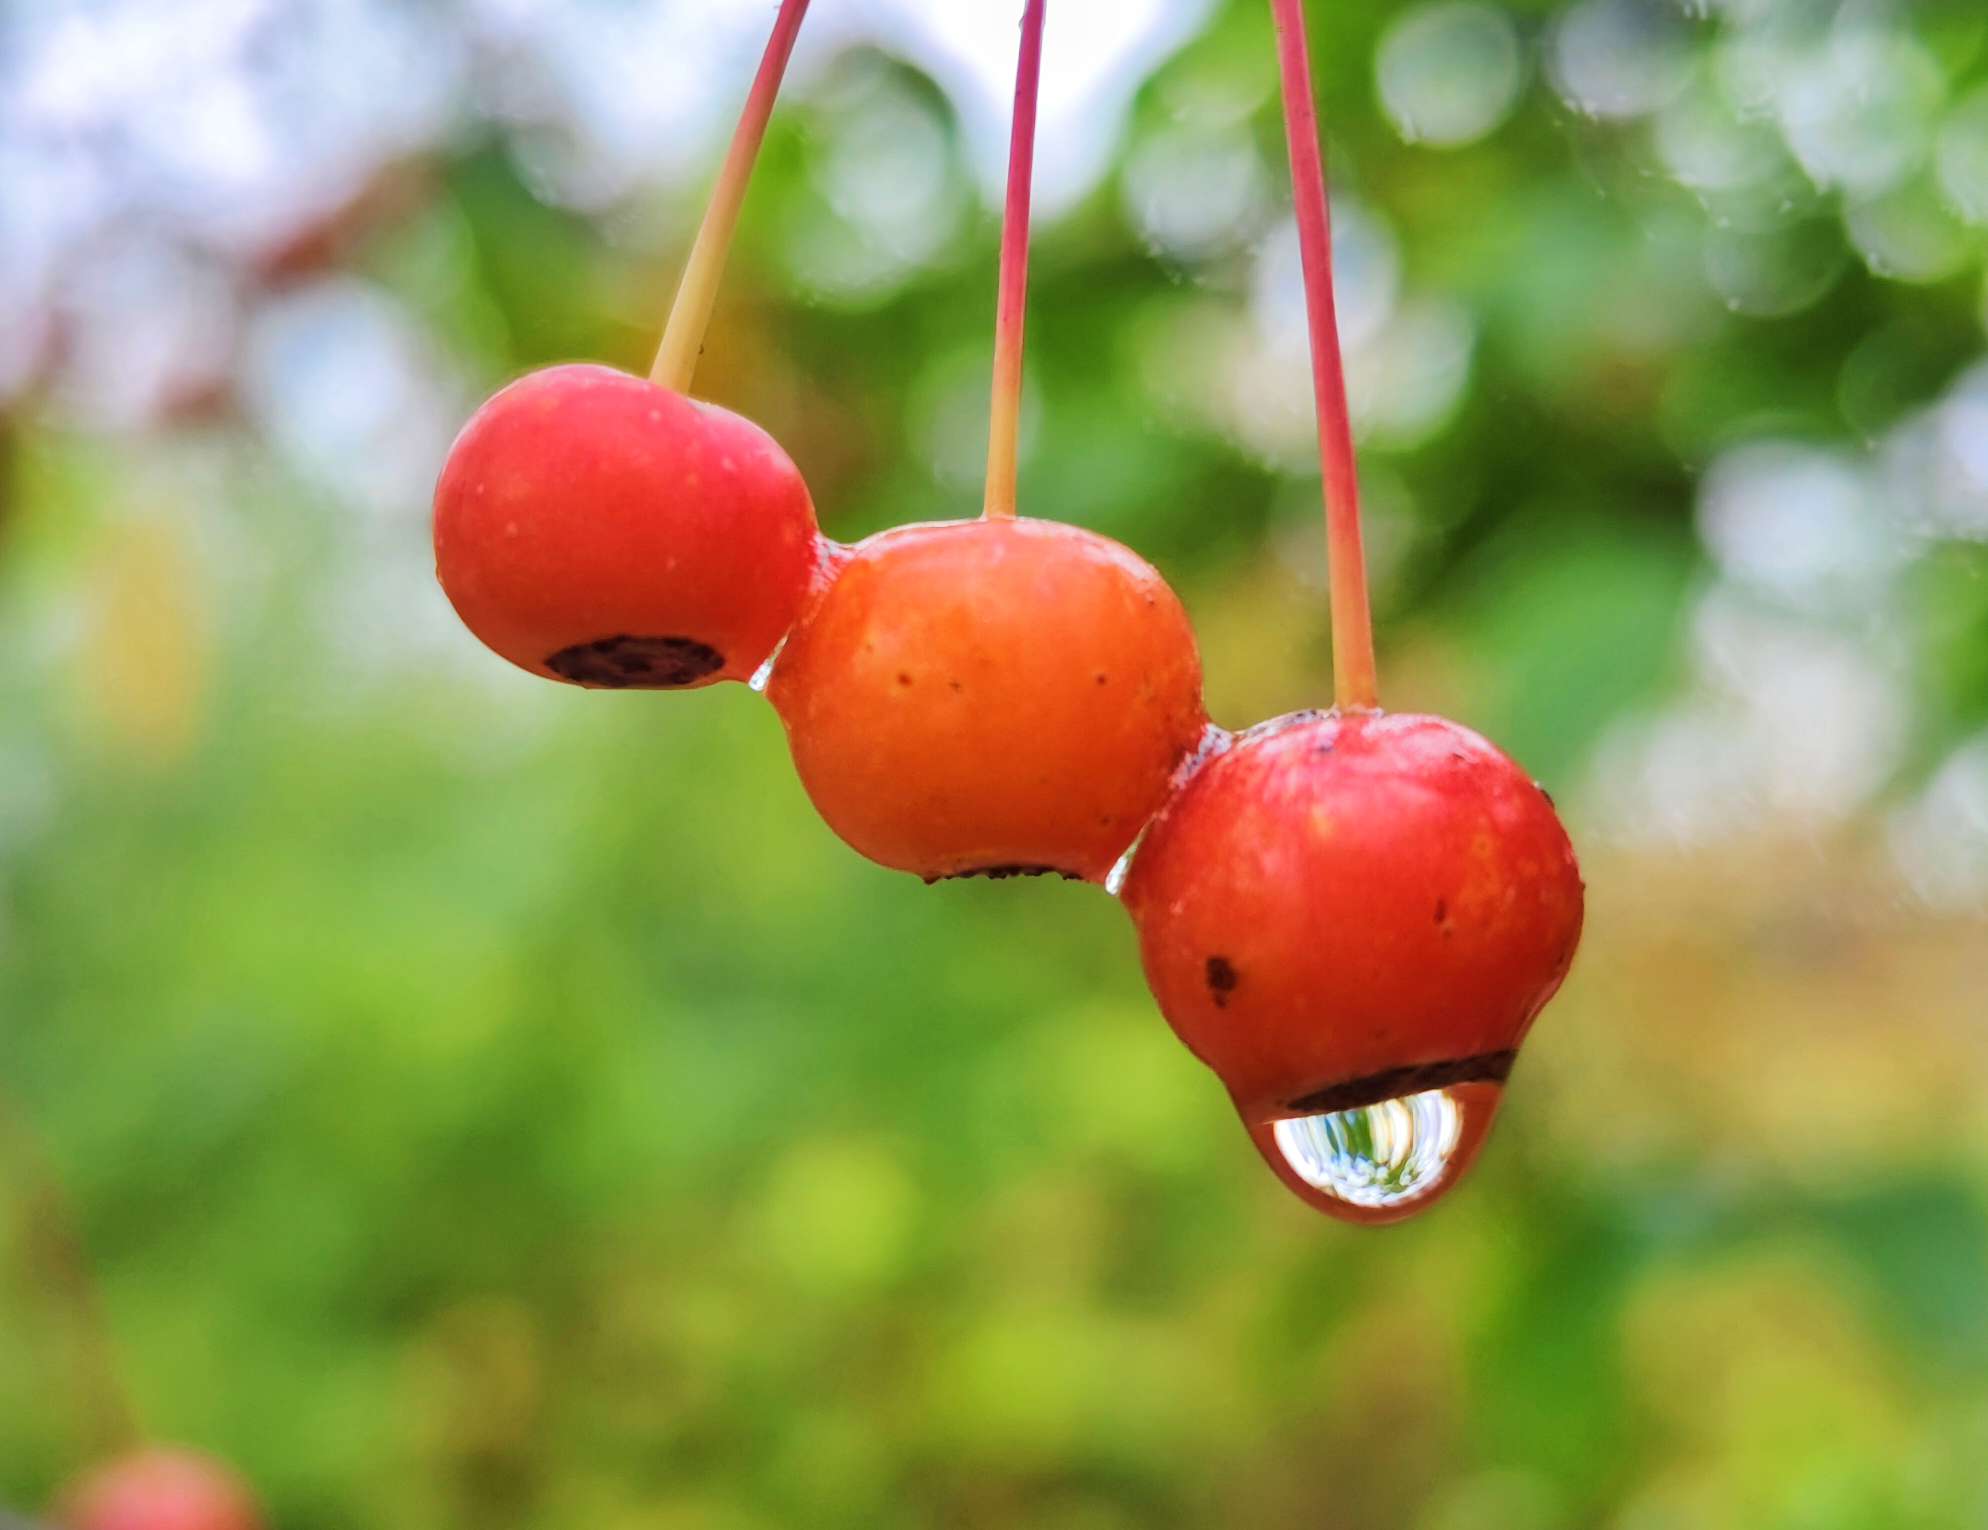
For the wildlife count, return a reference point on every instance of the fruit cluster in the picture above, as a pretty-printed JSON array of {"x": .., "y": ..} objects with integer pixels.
[{"x": 1352, "y": 917}]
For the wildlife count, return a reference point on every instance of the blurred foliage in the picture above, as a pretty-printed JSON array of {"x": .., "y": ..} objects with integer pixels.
[{"x": 489, "y": 1104}]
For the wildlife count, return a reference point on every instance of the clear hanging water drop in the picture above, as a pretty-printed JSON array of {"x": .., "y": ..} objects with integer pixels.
[
  {"x": 1377, "y": 1155},
  {"x": 1384, "y": 1161}
]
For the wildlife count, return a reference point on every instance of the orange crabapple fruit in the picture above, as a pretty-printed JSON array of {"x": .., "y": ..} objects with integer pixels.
[{"x": 992, "y": 697}]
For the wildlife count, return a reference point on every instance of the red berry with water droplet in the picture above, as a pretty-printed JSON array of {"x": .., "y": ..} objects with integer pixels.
[
  {"x": 991, "y": 697},
  {"x": 160, "y": 1489},
  {"x": 593, "y": 527},
  {"x": 1343, "y": 914}
]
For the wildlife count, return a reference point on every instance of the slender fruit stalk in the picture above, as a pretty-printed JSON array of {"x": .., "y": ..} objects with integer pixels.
[
  {"x": 1354, "y": 681},
  {"x": 1004, "y": 418},
  {"x": 50, "y": 1241},
  {"x": 683, "y": 334}
]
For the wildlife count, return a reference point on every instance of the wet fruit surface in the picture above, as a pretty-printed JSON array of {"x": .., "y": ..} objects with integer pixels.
[
  {"x": 593, "y": 527},
  {"x": 1342, "y": 911},
  {"x": 991, "y": 697}
]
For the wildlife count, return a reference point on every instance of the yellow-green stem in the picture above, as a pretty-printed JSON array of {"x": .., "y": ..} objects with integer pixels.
[{"x": 690, "y": 314}]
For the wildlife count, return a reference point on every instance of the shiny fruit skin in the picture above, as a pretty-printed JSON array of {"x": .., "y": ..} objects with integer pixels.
[
  {"x": 992, "y": 696},
  {"x": 593, "y": 527},
  {"x": 160, "y": 1489},
  {"x": 1342, "y": 909}
]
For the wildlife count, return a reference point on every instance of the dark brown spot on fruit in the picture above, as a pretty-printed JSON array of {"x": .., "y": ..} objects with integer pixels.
[
  {"x": 903, "y": 678},
  {"x": 1103, "y": 680},
  {"x": 1222, "y": 980},
  {"x": 623, "y": 662},
  {"x": 1442, "y": 910},
  {"x": 1002, "y": 873},
  {"x": 1393, "y": 1083}
]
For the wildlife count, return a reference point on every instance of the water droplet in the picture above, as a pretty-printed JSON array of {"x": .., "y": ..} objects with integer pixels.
[
  {"x": 1377, "y": 1155},
  {"x": 1215, "y": 740},
  {"x": 1382, "y": 1162},
  {"x": 763, "y": 676}
]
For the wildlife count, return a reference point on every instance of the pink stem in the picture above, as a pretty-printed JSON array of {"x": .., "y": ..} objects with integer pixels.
[
  {"x": 1004, "y": 417},
  {"x": 690, "y": 314},
  {"x": 1354, "y": 682}
]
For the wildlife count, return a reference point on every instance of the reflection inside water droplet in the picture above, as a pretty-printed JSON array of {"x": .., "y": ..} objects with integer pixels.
[{"x": 1380, "y": 1156}]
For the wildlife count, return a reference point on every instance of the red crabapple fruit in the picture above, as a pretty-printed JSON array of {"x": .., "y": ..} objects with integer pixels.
[
  {"x": 594, "y": 527},
  {"x": 1353, "y": 919},
  {"x": 160, "y": 1489}
]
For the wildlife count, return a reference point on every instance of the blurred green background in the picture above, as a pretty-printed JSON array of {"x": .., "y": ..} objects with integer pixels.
[{"x": 491, "y": 1104}]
